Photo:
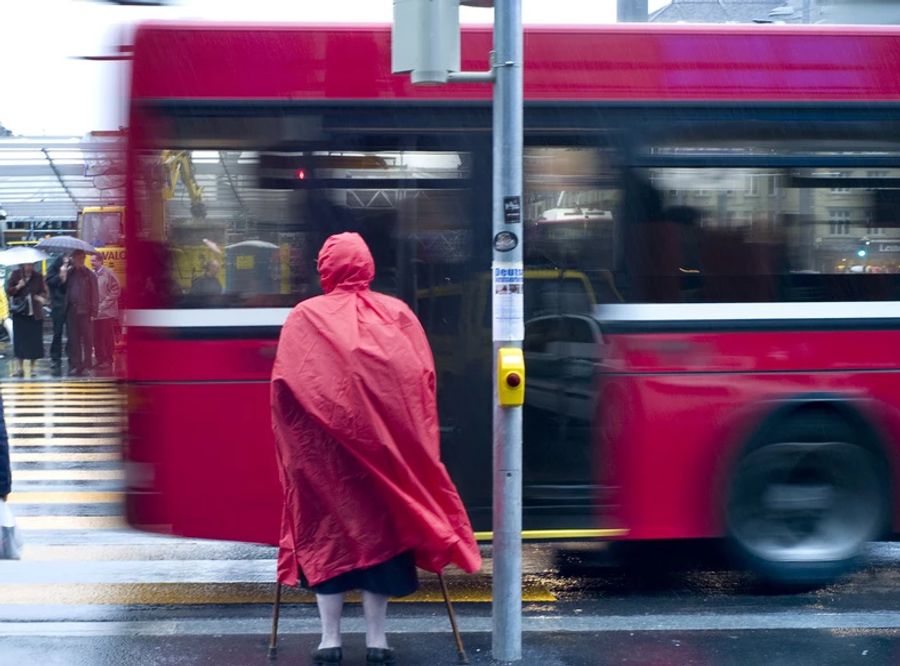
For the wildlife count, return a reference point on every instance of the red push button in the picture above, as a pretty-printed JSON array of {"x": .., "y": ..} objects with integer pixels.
[{"x": 513, "y": 379}]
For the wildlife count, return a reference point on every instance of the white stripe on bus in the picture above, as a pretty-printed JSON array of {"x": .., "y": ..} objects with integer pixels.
[
  {"x": 613, "y": 312},
  {"x": 836, "y": 310},
  {"x": 207, "y": 317}
]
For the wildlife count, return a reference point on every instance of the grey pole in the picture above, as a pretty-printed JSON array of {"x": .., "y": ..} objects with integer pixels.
[{"x": 507, "y": 332}]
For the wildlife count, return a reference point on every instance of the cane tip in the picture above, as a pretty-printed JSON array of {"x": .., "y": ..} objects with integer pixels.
[
  {"x": 463, "y": 659},
  {"x": 273, "y": 652}
]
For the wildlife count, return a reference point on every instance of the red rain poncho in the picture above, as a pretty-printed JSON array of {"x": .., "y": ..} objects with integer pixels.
[{"x": 356, "y": 429}]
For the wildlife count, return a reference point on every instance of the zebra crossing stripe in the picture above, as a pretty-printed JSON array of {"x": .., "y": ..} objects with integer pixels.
[
  {"x": 64, "y": 497},
  {"x": 63, "y": 457},
  {"x": 71, "y": 523}
]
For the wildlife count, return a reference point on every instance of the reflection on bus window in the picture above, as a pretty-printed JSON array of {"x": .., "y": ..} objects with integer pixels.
[
  {"x": 761, "y": 234},
  {"x": 252, "y": 221},
  {"x": 571, "y": 193}
]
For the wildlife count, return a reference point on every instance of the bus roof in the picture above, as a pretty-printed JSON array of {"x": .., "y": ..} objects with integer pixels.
[{"x": 603, "y": 63}]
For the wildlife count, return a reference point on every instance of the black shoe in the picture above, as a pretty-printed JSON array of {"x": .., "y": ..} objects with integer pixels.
[
  {"x": 322, "y": 656},
  {"x": 380, "y": 656},
  {"x": 56, "y": 369}
]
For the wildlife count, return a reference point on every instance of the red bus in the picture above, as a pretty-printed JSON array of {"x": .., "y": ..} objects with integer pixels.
[{"x": 711, "y": 348}]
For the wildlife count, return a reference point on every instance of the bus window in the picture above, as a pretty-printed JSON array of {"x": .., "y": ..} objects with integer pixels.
[
  {"x": 571, "y": 193},
  {"x": 806, "y": 227},
  {"x": 261, "y": 217}
]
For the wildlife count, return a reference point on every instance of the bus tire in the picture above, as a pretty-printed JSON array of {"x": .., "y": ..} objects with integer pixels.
[{"x": 805, "y": 500}]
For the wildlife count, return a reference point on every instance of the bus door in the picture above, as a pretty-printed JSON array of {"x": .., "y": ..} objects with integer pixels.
[{"x": 571, "y": 194}]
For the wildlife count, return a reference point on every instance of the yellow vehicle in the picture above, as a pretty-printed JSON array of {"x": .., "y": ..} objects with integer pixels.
[{"x": 104, "y": 228}]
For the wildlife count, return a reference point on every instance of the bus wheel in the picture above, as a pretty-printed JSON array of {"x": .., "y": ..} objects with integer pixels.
[{"x": 804, "y": 504}]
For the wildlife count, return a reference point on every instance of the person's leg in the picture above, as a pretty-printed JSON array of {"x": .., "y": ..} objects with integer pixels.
[
  {"x": 107, "y": 345},
  {"x": 375, "y": 610},
  {"x": 88, "y": 333},
  {"x": 26, "y": 368},
  {"x": 330, "y": 608},
  {"x": 56, "y": 344},
  {"x": 74, "y": 342},
  {"x": 98, "y": 342}
]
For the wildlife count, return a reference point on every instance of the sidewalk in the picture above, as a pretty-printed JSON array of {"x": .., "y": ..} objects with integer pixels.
[
  {"x": 41, "y": 370},
  {"x": 775, "y": 647}
]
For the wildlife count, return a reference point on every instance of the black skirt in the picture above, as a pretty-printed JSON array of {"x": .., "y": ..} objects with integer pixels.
[
  {"x": 394, "y": 578},
  {"x": 28, "y": 337}
]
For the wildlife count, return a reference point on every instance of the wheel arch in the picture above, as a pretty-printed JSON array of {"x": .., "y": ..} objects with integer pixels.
[{"x": 859, "y": 413}]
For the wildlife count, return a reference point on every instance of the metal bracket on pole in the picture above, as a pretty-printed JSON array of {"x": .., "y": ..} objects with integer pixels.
[{"x": 488, "y": 76}]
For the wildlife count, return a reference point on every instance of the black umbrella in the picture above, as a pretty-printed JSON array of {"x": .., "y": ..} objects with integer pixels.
[{"x": 65, "y": 244}]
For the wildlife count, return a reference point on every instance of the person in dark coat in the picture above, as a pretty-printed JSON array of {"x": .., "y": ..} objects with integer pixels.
[
  {"x": 82, "y": 301},
  {"x": 57, "y": 287},
  {"x": 27, "y": 294}
]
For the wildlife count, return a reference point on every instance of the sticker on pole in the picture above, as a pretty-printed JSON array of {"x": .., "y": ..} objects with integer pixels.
[
  {"x": 512, "y": 210},
  {"x": 508, "y": 300},
  {"x": 505, "y": 241}
]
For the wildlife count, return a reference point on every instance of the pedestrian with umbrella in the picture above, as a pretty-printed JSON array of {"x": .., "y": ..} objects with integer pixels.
[
  {"x": 27, "y": 293},
  {"x": 58, "y": 268},
  {"x": 81, "y": 301}
]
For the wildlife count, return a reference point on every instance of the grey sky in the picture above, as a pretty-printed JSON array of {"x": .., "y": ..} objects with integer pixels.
[{"x": 45, "y": 89}]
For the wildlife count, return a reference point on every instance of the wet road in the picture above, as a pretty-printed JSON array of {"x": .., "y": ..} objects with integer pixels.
[{"x": 91, "y": 591}]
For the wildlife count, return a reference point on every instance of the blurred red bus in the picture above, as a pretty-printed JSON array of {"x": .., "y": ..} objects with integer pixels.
[{"x": 712, "y": 356}]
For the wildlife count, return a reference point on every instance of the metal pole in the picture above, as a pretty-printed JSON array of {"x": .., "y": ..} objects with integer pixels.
[{"x": 507, "y": 328}]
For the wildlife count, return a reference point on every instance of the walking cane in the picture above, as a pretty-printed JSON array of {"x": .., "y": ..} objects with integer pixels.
[
  {"x": 461, "y": 651},
  {"x": 276, "y": 609}
]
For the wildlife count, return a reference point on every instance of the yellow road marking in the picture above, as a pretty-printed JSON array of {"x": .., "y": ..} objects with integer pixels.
[
  {"x": 71, "y": 522},
  {"x": 54, "y": 497},
  {"x": 65, "y": 382},
  {"x": 64, "y": 457},
  {"x": 70, "y": 390},
  {"x": 75, "y": 399},
  {"x": 225, "y": 593},
  {"x": 69, "y": 475},
  {"x": 551, "y": 535},
  {"x": 61, "y": 395},
  {"x": 16, "y": 419},
  {"x": 27, "y": 442},
  {"x": 63, "y": 430}
]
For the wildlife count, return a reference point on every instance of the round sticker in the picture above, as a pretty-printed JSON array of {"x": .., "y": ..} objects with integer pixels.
[{"x": 505, "y": 241}]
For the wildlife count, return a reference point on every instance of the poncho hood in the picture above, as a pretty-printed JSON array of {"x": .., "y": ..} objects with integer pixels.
[{"x": 345, "y": 263}]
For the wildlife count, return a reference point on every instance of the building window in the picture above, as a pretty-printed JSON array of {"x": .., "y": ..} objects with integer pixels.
[
  {"x": 841, "y": 190},
  {"x": 839, "y": 222}
]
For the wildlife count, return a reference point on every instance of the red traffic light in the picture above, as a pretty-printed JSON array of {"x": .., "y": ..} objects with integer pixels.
[{"x": 300, "y": 174}]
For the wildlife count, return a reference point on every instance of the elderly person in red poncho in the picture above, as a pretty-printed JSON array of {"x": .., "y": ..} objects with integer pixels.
[{"x": 366, "y": 498}]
